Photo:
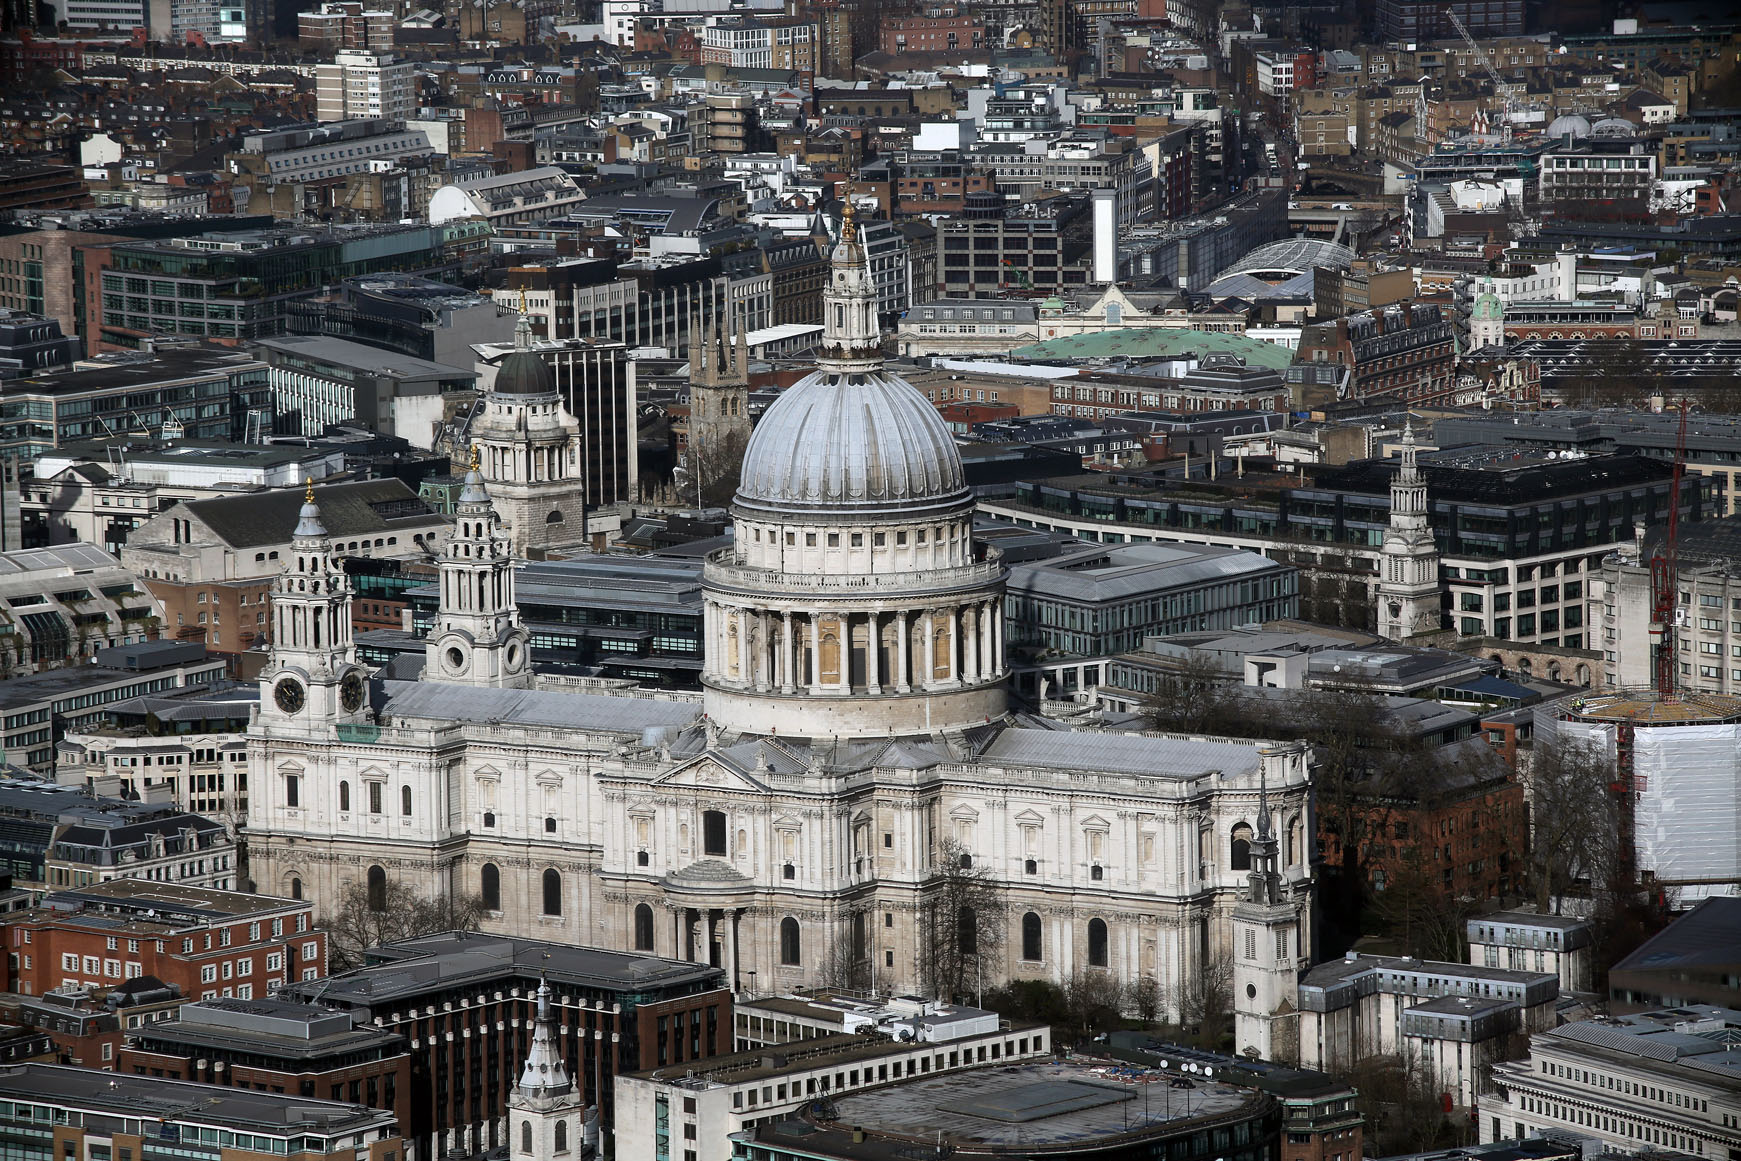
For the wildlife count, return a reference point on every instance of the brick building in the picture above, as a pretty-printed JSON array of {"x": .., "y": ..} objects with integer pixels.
[
  {"x": 87, "y": 1026},
  {"x": 937, "y": 29},
  {"x": 465, "y": 1003},
  {"x": 205, "y": 943},
  {"x": 276, "y": 1046},
  {"x": 26, "y": 183},
  {"x": 1406, "y": 352}
]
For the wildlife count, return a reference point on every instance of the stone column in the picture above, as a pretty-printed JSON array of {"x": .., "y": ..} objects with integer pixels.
[
  {"x": 930, "y": 659},
  {"x": 955, "y": 655},
  {"x": 815, "y": 653},
  {"x": 787, "y": 685},
  {"x": 987, "y": 658},
  {"x": 708, "y": 932},
  {"x": 969, "y": 645},
  {"x": 731, "y": 949},
  {"x": 873, "y": 648},
  {"x": 997, "y": 628},
  {"x": 759, "y": 651},
  {"x": 903, "y": 670}
]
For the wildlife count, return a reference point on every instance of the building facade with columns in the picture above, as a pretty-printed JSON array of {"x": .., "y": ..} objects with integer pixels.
[{"x": 790, "y": 825}]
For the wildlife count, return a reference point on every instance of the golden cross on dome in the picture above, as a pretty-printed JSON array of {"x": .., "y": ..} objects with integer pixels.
[
  {"x": 474, "y": 457},
  {"x": 522, "y": 300},
  {"x": 308, "y": 496}
]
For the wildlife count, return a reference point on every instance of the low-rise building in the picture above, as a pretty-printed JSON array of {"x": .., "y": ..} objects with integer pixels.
[
  {"x": 202, "y": 941},
  {"x": 37, "y": 708},
  {"x": 1525, "y": 941},
  {"x": 1695, "y": 960},
  {"x": 99, "y": 491},
  {"x": 1362, "y": 1006},
  {"x": 1406, "y": 352},
  {"x": 508, "y": 198},
  {"x": 618, "y": 1013},
  {"x": 277, "y": 1046},
  {"x": 97, "y": 1113},
  {"x": 67, "y": 603},
  {"x": 317, "y": 381},
  {"x": 705, "y": 1102},
  {"x": 1665, "y": 1081}
]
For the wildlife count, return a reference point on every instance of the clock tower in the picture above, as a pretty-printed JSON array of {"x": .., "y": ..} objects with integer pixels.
[
  {"x": 313, "y": 681},
  {"x": 478, "y": 638}
]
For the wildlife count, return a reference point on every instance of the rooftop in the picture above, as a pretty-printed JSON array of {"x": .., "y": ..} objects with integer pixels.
[
  {"x": 1647, "y": 707},
  {"x": 454, "y": 960},
  {"x": 173, "y": 1101},
  {"x": 168, "y": 900},
  {"x": 1036, "y": 1106},
  {"x": 361, "y": 357},
  {"x": 1157, "y": 343}
]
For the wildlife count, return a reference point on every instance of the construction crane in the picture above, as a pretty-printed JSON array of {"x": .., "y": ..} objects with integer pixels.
[
  {"x": 1499, "y": 90},
  {"x": 1663, "y": 567}
]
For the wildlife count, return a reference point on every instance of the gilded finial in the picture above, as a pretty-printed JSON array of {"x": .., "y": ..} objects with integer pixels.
[
  {"x": 848, "y": 230},
  {"x": 474, "y": 457},
  {"x": 522, "y": 300},
  {"x": 308, "y": 495}
]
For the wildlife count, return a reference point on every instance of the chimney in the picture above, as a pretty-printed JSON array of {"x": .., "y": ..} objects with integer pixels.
[{"x": 1378, "y": 321}]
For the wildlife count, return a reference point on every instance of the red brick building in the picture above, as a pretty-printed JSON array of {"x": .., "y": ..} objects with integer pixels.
[
  {"x": 205, "y": 942},
  {"x": 88, "y": 1026},
  {"x": 1406, "y": 352},
  {"x": 937, "y": 29}
]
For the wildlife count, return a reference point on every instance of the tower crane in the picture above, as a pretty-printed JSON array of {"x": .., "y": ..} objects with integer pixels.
[{"x": 1499, "y": 90}]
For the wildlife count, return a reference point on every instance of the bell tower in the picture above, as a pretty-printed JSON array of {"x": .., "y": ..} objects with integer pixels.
[
  {"x": 719, "y": 408},
  {"x": 544, "y": 1111},
  {"x": 478, "y": 638},
  {"x": 313, "y": 680},
  {"x": 1266, "y": 953},
  {"x": 1408, "y": 584}
]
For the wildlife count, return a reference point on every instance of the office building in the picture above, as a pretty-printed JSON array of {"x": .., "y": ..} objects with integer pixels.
[
  {"x": 62, "y": 837},
  {"x": 91, "y": 1113},
  {"x": 1692, "y": 961},
  {"x": 198, "y": 392},
  {"x": 1662, "y": 1081},
  {"x": 466, "y": 1002},
  {"x": 317, "y": 382},
  {"x": 365, "y": 84},
  {"x": 1525, "y": 941},
  {"x": 38, "y": 707},
  {"x": 66, "y": 603}
]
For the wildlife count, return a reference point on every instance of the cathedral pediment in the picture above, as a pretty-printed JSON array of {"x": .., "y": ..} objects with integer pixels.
[{"x": 710, "y": 773}]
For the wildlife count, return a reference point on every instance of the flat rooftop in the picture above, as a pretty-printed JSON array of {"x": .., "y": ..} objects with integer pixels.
[
  {"x": 168, "y": 900},
  {"x": 1038, "y": 1105},
  {"x": 1648, "y": 708},
  {"x": 174, "y": 1101}
]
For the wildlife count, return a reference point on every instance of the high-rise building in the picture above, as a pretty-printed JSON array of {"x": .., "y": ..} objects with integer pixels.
[{"x": 365, "y": 84}]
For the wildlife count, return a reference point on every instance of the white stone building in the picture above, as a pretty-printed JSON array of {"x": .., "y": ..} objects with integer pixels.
[
  {"x": 1659, "y": 1082},
  {"x": 1525, "y": 941},
  {"x": 854, "y": 728}
]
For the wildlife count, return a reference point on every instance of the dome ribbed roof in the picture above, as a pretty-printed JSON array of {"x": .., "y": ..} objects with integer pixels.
[
  {"x": 523, "y": 373},
  {"x": 851, "y": 443}
]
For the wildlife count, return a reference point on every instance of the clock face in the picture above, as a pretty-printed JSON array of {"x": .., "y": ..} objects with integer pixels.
[
  {"x": 289, "y": 695},
  {"x": 351, "y": 692}
]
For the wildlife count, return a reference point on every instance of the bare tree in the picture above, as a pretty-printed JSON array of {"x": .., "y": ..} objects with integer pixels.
[
  {"x": 1423, "y": 916},
  {"x": 848, "y": 962},
  {"x": 1206, "y": 1004},
  {"x": 400, "y": 913},
  {"x": 1095, "y": 1002},
  {"x": 1574, "y": 819},
  {"x": 1194, "y": 698},
  {"x": 961, "y": 924}
]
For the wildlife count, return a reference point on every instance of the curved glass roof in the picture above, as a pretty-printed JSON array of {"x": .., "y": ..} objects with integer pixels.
[{"x": 1291, "y": 256}]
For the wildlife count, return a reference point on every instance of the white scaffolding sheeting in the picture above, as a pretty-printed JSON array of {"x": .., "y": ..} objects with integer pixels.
[{"x": 1688, "y": 815}]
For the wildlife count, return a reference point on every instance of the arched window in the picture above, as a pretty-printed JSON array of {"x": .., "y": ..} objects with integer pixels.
[
  {"x": 490, "y": 887},
  {"x": 1294, "y": 841},
  {"x": 965, "y": 861},
  {"x": 1239, "y": 857},
  {"x": 643, "y": 927},
  {"x": 967, "y": 931},
  {"x": 344, "y": 797},
  {"x": 788, "y": 871},
  {"x": 858, "y": 944},
  {"x": 377, "y": 889},
  {"x": 296, "y": 889},
  {"x": 526, "y": 1137},
  {"x": 405, "y": 801},
  {"x": 552, "y": 892},
  {"x": 790, "y": 946},
  {"x": 561, "y": 1136},
  {"x": 1031, "y": 867},
  {"x": 713, "y": 833},
  {"x": 1031, "y": 938},
  {"x": 1097, "y": 943},
  {"x": 549, "y": 826}
]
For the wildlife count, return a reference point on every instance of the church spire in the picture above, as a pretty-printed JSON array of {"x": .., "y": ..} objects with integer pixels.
[
  {"x": 1265, "y": 879},
  {"x": 544, "y": 1075}
]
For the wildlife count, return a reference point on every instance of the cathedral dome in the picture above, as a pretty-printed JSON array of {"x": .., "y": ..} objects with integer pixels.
[
  {"x": 847, "y": 443},
  {"x": 523, "y": 373}
]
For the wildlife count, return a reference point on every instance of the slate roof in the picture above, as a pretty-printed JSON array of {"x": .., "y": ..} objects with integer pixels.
[
  {"x": 433, "y": 700},
  {"x": 1120, "y": 753},
  {"x": 353, "y": 509}
]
